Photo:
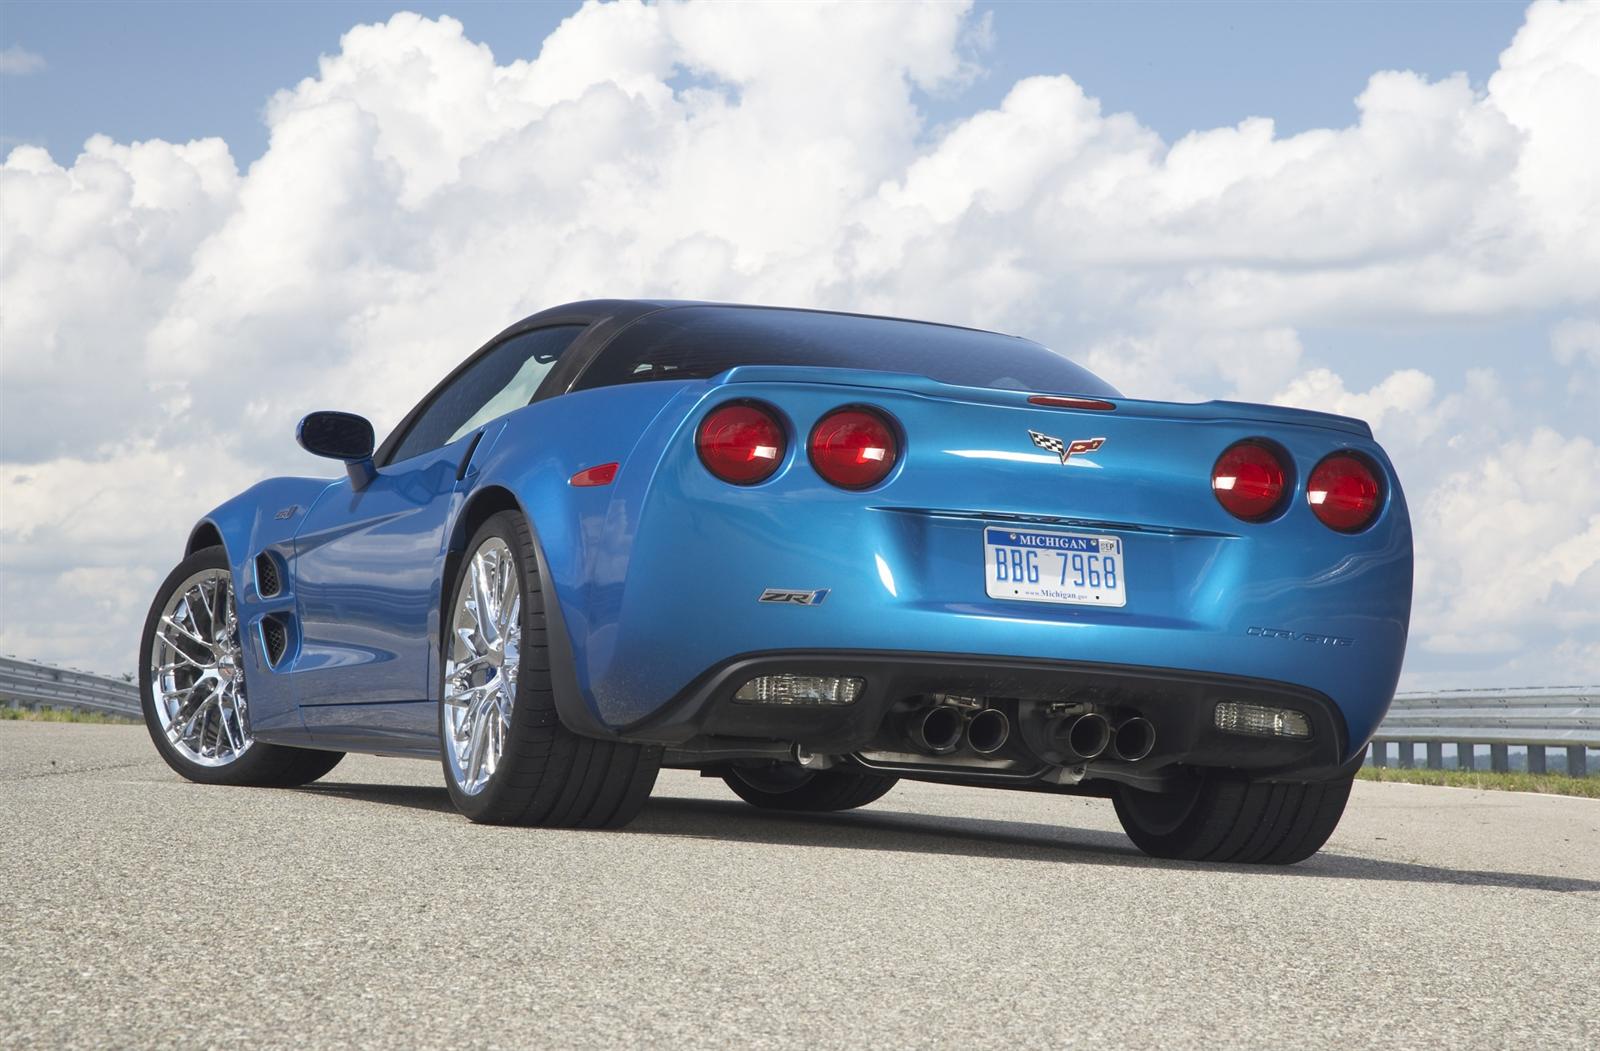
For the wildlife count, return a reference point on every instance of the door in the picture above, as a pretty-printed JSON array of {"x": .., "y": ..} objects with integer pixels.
[{"x": 367, "y": 562}]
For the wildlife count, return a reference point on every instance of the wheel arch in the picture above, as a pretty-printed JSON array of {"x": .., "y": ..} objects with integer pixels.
[
  {"x": 483, "y": 504},
  {"x": 269, "y": 512},
  {"x": 205, "y": 534},
  {"x": 480, "y": 506}
]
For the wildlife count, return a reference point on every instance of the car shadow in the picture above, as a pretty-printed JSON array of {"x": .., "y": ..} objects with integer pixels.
[
  {"x": 881, "y": 828},
  {"x": 413, "y": 797}
]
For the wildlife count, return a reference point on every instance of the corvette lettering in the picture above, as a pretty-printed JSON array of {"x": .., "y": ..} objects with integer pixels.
[{"x": 1296, "y": 636}]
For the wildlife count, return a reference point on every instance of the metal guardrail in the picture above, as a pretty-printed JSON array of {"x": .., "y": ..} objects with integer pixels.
[
  {"x": 41, "y": 686},
  {"x": 1536, "y": 719}
]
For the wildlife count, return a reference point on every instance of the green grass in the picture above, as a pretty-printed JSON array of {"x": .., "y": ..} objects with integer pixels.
[
  {"x": 1554, "y": 784},
  {"x": 64, "y": 716}
]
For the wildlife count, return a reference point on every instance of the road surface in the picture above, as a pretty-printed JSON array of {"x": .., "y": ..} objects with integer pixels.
[{"x": 143, "y": 911}]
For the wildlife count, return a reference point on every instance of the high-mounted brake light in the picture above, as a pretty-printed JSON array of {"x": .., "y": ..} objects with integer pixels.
[
  {"x": 1344, "y": 493},
  {"x": 1057, "y": 401},
  {"x": 741, "y": 443},
  {"x": 1249, "y": 480},
  {"x": 854, "y": 448}
]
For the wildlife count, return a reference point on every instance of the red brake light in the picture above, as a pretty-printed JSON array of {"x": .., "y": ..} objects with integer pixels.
[
  {"x": 854, "y": 448},
  {"x": 1248, "y": 480},
  {"x": 1344, "y": 493},
  {"x": 742, "y": 444}
]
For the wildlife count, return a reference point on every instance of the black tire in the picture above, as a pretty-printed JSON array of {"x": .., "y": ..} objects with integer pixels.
[
  {"x": 817, "y": 791},
  {"x": 1229, "y": 819},
  {"x": 261, "y": 764},
  {"x": 547, "y": 775}
]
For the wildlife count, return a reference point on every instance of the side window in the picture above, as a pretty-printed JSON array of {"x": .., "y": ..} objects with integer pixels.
[{"x": 503, "y": 380}]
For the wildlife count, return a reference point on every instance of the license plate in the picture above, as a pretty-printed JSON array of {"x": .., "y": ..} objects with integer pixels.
[{"x": 1079, "y": 569}]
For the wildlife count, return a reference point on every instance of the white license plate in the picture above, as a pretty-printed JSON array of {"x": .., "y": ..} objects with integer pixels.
[{"x": 1079, "y": 569}]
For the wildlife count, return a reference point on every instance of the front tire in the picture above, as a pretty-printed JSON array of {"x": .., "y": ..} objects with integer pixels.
[
  {"x": 788, "y": 787},
  {"x": 193, "y": 688},
  {"x": 1226, "y": 818},
  {"x": 507, "y": 759}
]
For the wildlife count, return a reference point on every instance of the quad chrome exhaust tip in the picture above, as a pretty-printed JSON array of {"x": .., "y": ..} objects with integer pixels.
[
  {"x": 936, "y": 730},
  {"x": 1134, "y": 739},
  {"x": 1086, "y": 736},
  {"x": 988, "y": 731}
]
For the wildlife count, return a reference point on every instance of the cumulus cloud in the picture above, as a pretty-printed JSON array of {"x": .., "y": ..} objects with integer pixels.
[
  {"x": 1507, "y": 527},
  {"x": 95, "y": 537},
  {"x": 1402, "y": 407},
  {"x": 1541, "y": 571},
  {"x": 18, "y": 61},
  {"x": 1577, "y": 341},
  {"x": 167, "y": 317}
]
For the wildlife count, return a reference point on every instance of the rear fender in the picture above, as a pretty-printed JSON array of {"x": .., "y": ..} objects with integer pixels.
[{"x": 582, "y": 535}]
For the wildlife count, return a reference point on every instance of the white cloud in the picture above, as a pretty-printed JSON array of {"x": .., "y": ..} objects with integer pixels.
[
  {"x": 1575, "y": 345},
  {"x": 168, "y": 318},
  {"x": 1401, "y": 408},
  {"x": 1506, "y": 521},
  {"x": 1577, "y": 341},
  {"x": 86, "y": 541},
  {"x": 18, "y": 61},
  {"x": 1521, "y": 528},
  {"x": 93, "y": 257}
]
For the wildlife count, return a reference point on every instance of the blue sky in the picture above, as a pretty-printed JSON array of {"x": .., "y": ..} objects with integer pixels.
[
  {"x": 184, "y": 70},
  {"x": 139, "y": 69},
  {"x": 1414, "y": 239}
]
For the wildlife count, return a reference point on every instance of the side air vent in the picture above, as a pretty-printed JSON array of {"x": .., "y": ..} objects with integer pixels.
[
  {"x": 274, "y": 639},
  {"x": 268, "y": 583}
]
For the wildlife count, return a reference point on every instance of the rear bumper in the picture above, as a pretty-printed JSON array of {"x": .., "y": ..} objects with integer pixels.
[{"x": 1181, "y": 704}]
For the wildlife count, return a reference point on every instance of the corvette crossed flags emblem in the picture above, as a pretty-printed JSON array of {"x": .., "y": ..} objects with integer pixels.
[{"x": 1066, "y": 450}]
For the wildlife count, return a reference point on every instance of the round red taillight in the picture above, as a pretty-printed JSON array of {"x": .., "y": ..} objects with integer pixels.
[
  {"x": 1344, "y": 493},
  {"x": 854, "y": 448},
  {"x": 742, "y": 444},
  {"x": 1249, "y": 480}
]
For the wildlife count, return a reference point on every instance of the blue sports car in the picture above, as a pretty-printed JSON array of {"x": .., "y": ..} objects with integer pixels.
[{"x": 809, "y": 553}]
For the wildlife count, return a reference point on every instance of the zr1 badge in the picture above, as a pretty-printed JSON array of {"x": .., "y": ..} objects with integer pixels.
[{"x": 793, "y": 597}]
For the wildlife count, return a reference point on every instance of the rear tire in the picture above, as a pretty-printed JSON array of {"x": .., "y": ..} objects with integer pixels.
[
  {"x": 1229, "y": 819},
  {"x": 541, "y": 773},
  {"x": 199, "y": 682},
  {"x": 815, "y": 791}
]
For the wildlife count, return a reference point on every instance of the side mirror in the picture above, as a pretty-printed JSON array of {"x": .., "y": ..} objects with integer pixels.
[{"x": 340, "y": 436}]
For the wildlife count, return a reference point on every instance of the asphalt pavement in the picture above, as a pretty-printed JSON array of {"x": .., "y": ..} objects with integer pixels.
[{"x": 144, "y": 911}]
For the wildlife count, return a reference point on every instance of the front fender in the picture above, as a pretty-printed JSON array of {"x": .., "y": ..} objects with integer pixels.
[
  {"x": 264, "y": 517},
  {"x": 267, "y": 513}
]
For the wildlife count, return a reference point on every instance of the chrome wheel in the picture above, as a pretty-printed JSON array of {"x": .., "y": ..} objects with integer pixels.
[
  {"x": 480, "y": 673},
  {"x": 197, "y": 672}
]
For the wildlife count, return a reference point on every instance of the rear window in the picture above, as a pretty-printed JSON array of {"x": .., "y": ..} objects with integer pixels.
[{"x": 697, "y": 342}]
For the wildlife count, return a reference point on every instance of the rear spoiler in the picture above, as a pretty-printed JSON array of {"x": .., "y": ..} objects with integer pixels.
[{"x": 922, "y": 386}]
